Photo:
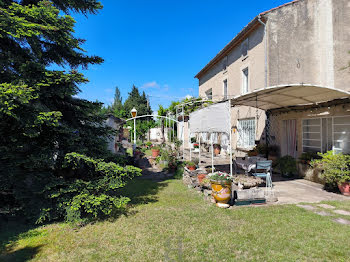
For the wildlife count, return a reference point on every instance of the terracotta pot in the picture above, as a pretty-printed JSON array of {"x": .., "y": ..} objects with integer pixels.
[
  {"x": 344, "y": 188},
  {"x": 155, "y": 152},
  {"x": 217, "y": 151},
  {"x": 201, "y": 177},
  {"x": 191, "y": 168},
  {"x": 221, "y": 191}
]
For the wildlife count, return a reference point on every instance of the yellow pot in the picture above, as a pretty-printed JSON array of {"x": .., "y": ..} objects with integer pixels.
[{"x": 221, "y": 191}]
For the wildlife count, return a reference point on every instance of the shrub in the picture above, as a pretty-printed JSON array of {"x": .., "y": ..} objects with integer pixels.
[
  {"x": 88, "y": 191},
  {"x": 156, "y": 147},
  {"x": 190, "y": 163},
  {"x": 336, "y": 167},
  {"x": 308, "y": 156},
  {"x": 287, "y": 165},
  {"x": 220, "y": 177}
]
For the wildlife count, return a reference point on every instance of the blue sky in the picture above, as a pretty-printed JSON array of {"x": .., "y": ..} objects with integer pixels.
[{"x": 159, "y": 45}]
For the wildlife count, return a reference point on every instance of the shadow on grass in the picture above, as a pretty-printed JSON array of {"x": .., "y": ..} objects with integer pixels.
[
  {"x": 10, "y": 232},
  {"x": 23, "y": 254},
  {"x": 143, "y": 191}
]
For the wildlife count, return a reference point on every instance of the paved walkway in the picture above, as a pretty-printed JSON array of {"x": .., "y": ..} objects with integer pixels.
[{"x": 301, "y": 190}]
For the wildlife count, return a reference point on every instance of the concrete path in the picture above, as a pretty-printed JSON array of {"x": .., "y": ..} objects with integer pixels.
[{"x": 300, "y": 190}]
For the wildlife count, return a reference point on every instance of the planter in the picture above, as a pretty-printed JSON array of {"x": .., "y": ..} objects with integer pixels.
[
  {"x": 155, "y": 152},
  {"x": 221, "y": 191},
  {"x": 191, "y": 168},
  {"x": 217, "y": 149},
  {"x": 201, "y": 177},
  {"x": 344, "y": 188}
]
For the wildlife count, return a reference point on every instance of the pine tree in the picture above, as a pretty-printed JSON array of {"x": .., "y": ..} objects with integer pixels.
[{"x": 41, "y": 118}]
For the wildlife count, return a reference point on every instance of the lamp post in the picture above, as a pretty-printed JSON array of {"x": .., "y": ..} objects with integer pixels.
[{"x": 134, "y": 114}]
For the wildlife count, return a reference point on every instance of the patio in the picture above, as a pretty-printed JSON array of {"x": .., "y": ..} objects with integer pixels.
[{"x": 287, "y": 191}]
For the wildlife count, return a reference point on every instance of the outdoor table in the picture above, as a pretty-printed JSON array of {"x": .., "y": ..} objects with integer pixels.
[{"x": 248, "y": 163}]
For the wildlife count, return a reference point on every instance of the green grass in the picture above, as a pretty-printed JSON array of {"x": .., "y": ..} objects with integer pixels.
[{"x": 169, "y": 222}]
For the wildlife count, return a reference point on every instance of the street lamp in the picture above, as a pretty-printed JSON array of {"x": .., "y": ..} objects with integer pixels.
[{"x": 134, "y": 114}]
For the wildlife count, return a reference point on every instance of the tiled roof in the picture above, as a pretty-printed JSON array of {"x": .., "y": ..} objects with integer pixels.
[{"x": 250, "y": 26}]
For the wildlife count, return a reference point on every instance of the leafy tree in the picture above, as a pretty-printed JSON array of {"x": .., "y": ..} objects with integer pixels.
[{"x": 41, "y": 119}]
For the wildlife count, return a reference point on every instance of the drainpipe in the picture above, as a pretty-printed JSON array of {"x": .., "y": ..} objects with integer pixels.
[{"x": 265, "y": 44}]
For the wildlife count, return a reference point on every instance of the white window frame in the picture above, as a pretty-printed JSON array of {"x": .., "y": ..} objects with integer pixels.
[
  {"x": 321, "y": 135},
  {"x": 245, "y": 81},
  {"x": 225, "y": 88},
  {"x": 244, "y": 44},
  {"x": 246, "y": 140},
  {"x": 209, "y": 97}
]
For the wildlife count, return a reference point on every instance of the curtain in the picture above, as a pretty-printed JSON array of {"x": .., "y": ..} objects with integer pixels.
[{"x": 289, "y": 146}]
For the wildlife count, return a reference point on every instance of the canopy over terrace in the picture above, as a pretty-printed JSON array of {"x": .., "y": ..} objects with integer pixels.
[{"x": 287, "y": 96}]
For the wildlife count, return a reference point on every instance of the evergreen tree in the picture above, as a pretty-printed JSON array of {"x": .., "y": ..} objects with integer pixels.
[{"x": 41, "y": 119}]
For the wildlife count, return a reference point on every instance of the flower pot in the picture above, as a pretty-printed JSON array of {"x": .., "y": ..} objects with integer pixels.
[
  {"x": 201, "y": 177},
  {"x": 191, "y": 168},
  {"x": 221, "y": 191},
  {"x": 155, "y": 152},
  {"x": 217, "y": 151},
  {"x": 344, "y": 188}
]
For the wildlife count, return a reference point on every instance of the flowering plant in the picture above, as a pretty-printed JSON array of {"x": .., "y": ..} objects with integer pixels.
[
  {"x": 220, "y": 176},
  {"x": 196, "y": 145}
]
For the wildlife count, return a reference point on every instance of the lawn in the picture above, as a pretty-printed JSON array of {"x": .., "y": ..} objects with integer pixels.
[{"x": 169, "y": 222}]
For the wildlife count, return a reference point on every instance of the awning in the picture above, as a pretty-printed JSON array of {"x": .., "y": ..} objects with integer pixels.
[
  {"x": 212, "y": 119},
  {"x": 289, "y": 95}
]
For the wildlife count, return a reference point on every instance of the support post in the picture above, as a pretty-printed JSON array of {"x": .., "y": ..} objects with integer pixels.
[
  {"x": 212, "y": 153},
  {"x": 199, "y": 155},
  {"x": 190, "y": 143},
  {"x": 231, "y": 160},
  {"x": 134, "y": 133},
  {"x": 183, "y": 132}
]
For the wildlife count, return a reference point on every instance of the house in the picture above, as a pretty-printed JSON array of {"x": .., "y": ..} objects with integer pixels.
[
  {"x": 114, "y": 141},
  {"x": 287, "y": 76}
]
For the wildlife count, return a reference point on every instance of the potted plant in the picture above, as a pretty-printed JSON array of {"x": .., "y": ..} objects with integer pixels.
[
  {"x": 155, "y": 151},
  {"x": 201, "y": 176},
  {"x": 336, "y": 170},
  {"x": 191, "y": 165},
  {"x": 221, "y": 187},
  {"x": 253, "y": 152},
  {"x": 217, "y": 149},
  {"x": 287, "y": 166}
]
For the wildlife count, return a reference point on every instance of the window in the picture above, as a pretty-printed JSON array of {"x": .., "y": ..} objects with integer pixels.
[
  {"x": 324, "y": 134},
  {"x": 245, "y": 81},
  {"x": 225, "y": 89},
  {"x": 246, "y": 133},
  {"x": 225, "y": 63},
  {"x": 209, "y": 94},
  {"x": 244, "y": 47}
]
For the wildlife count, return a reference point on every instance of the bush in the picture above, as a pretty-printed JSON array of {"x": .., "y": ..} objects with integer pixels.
[
  {"x": 336, "y": 167},
  {"x": 88, "y": 191},
  {"x": 190, "y": 163},
  {"x": 308, "y": 156},
  {"x": 288, "y": 166}
]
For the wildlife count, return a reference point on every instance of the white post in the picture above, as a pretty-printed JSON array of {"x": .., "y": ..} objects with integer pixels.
[
  {"x": 166, "y": 122},
  {"x": 212, "y": 153},
  {"x": 134, "y": 133},
  {"x": 190, "y": 143},
  {"x": 199, "y": 155},
  {"x": 231, "y": 160},
  {"x": 183, "y": 132}
]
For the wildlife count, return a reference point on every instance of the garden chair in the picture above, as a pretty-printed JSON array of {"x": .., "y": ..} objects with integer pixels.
[{"x": 263, "y": 169}]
